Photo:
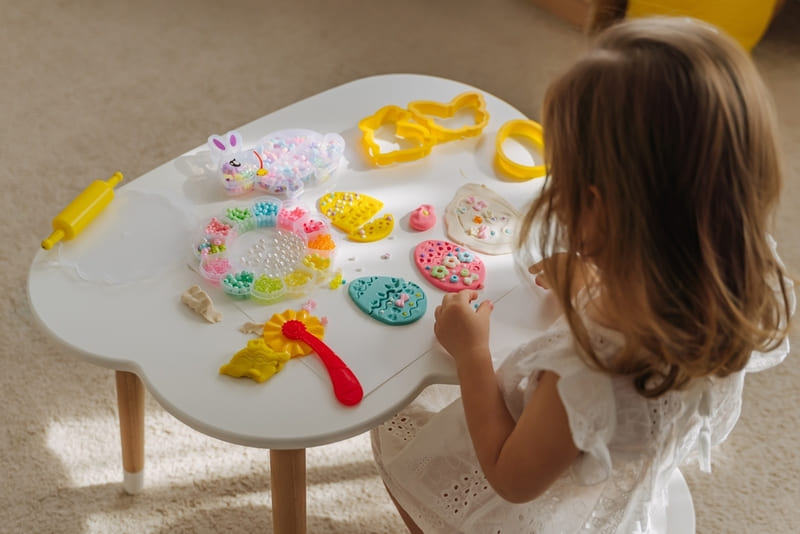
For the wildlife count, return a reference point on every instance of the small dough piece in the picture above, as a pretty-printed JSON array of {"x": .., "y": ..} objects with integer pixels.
[
  {"x": 423, "y": 218},
  {"x": 252, "y": 328},
  {"x": 199, "y": 302},
  {"x": 374, "y": 230}
]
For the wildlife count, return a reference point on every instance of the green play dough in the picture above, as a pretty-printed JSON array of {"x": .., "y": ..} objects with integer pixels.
[{"x": 388, "y": 299}]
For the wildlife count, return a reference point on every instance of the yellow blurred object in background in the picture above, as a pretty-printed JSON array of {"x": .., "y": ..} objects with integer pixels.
[{"x": 744, "y": 20}]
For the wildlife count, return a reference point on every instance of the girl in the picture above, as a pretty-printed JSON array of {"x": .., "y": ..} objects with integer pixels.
[{"x": 663, "y": 177}]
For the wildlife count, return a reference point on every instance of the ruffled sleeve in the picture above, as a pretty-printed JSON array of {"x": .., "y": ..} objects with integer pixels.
[
  {"x": 764, "y": 360},
  {"x": 587, "y": 396}
]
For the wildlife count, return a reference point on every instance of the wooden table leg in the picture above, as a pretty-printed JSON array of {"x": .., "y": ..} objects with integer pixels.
[
  {"x": 130, "y": 401},
  {"x": 288, "y": 483}
]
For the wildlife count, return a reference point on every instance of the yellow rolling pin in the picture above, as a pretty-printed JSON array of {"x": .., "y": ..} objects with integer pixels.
[{"x": 82, "y": 210}]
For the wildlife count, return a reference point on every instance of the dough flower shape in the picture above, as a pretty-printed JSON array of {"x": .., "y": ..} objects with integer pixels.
[{"x": 274, "y": 337}]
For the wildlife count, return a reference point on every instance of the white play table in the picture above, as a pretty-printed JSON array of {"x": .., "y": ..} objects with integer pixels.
[{"x": 138, "y": 327}]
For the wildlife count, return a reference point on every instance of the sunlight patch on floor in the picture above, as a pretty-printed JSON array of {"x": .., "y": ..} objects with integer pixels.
[{"x": 89, "y": 449}]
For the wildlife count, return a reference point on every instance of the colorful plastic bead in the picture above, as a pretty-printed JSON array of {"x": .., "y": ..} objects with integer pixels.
[{"x": 440, "y": 271}]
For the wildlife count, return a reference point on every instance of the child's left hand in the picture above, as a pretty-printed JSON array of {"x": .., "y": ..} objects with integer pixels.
[{"x": 461, "y": 329}]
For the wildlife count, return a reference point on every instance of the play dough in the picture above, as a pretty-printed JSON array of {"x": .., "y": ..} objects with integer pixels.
[
  {"x": 449, "y": 266},
  {"x": 275, "y": 338},
  {"x": 373, "y": 230},
  {"x": 423, "y": 218},
  {"x": 351, "y": 212},
  {"x": 482, "y": 220},
  {"x": 388, "y": 299},
  {"x": 256, "y": 361},
  {"x": 251, "y": 328},
  {"x": 199, "y": 302}
]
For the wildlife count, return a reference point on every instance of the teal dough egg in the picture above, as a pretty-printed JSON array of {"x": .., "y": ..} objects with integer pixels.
[{"x": 388, "y": 299}]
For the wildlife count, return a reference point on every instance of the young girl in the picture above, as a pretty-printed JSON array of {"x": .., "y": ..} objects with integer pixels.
[{"x": 663, "y": 178}]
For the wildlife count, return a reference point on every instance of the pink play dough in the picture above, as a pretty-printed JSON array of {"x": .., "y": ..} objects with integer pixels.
[
  {"x": 423, "y": 218},
  {"x": 448, "y": 266}
]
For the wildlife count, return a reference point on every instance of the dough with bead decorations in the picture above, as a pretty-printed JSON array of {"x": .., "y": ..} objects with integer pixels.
[
  {"x": 374, "y": 230},
  {"x": 353, "y": 212},
  {"x": 482, "y": 220},
  {"x": 388, "y": 299},
  {"x": 449, "y": 266}
]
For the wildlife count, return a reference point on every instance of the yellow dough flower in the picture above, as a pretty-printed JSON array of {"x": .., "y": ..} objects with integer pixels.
[{"x": 273, "y": 332}]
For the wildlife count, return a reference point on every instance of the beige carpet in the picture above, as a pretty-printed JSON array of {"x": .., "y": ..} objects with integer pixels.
[{"x": 91, "y": 86}]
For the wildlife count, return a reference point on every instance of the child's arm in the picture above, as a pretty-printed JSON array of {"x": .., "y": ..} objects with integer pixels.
[{"x": 519, "y": 459}]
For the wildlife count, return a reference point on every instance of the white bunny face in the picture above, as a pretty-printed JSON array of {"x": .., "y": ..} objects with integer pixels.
[
  {"x": 223, "y": 146},
  {"x": 237, "y": 165}
]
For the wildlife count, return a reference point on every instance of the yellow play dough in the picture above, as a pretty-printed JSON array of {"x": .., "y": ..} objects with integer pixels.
[
  {"x": 348, "y": 211},
  {"x": 373, "y": 230},
  {"x": 744, "y": 20},
  {"x": 273, "y": 333},
  {"x": 256, "y": 361}
]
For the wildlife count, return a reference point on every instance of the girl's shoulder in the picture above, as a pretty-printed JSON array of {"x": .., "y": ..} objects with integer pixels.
[
  {"x": 582, "y": 387},
  {"x": 587, "y": 394}
]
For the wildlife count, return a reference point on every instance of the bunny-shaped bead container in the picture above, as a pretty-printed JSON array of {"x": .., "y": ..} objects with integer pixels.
[{"x": 281, "y": 163}]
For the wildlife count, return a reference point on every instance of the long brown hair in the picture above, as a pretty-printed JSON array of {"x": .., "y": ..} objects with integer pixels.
[{"x": 667, "y": 123}]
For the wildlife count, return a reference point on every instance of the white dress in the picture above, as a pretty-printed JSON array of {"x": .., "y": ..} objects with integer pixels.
[{"x": 630, "y": 444}]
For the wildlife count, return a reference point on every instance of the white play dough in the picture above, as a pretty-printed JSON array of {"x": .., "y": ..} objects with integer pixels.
[
  {"x": 199, "y": 302},
  {"x": 481, "y": 220}
]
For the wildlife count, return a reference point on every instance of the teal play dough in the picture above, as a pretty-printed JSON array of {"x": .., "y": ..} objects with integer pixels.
[{"x": 388, "y": 299}]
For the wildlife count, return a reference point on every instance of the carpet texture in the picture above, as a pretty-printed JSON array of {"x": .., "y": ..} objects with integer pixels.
[{"x": 91, "y": 86}]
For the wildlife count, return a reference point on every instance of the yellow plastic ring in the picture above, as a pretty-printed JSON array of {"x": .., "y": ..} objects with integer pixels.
[{"x": 530, "y": 130}]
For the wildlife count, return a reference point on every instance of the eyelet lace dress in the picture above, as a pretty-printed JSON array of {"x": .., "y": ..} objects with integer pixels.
[{"x": 630, "y": 444}]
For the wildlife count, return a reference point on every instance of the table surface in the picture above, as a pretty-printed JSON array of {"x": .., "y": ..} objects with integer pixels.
[{"x": 139, "y": 324}]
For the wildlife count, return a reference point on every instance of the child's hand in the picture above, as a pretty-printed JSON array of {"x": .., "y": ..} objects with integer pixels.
[
  {"x": 539, "y": 278},
  {"x": 555, "y": 262},
  {"x": 461, "y": 329},
  {"x": 585, "y": 273}
]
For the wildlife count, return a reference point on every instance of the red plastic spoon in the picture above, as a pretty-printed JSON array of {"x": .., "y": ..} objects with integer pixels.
[{"x": 346, "y": 386}]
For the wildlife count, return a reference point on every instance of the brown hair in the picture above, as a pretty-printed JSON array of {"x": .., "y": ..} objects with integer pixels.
[{"x": 668, "y": 124}]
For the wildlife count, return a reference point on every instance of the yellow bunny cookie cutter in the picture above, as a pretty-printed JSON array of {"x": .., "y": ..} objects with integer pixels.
[
  {"x": 527, "y": 129},
  {"x": 427, "y": 111},
  {"x": 405, "y": 128}
]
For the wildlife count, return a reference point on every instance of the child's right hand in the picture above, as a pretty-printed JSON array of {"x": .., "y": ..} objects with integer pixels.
[
  {"x": 539, "y": 278},
  {"x": 461, "y": 329},
  {"x": 555, "y": 262}
]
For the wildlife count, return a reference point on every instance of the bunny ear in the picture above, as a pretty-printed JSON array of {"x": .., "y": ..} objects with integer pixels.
[
  {"x": 234, "y": 139},
  {"x": 217, "y": 146},
  {"x": 218, "y": 142},
  {"x": 222, "y": 146}
]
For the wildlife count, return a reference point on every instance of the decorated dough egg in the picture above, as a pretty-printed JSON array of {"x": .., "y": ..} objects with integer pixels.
[
  {"x": 388, "y": 299},
  {"x": 449, "y": 266},
  {"x": 482, "y": 220}
]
